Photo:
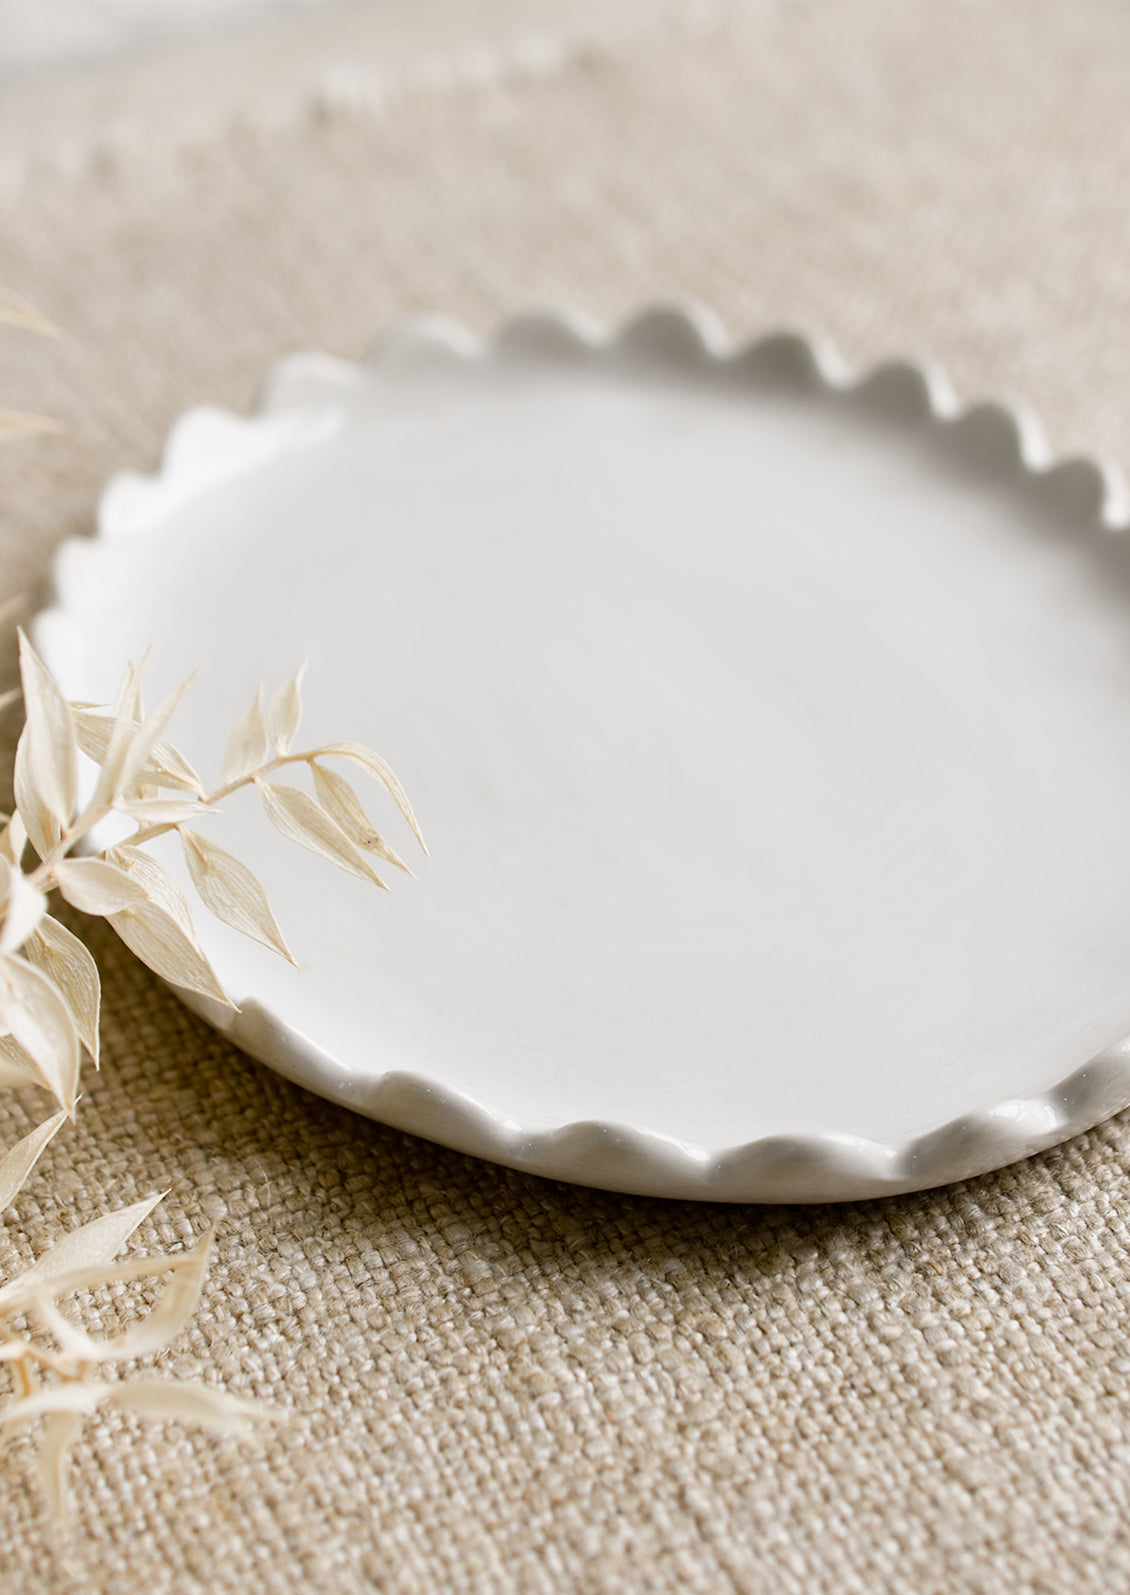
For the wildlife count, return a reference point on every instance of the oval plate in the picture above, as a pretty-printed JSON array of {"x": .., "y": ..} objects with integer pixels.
[{"x": 770, "y": 730}]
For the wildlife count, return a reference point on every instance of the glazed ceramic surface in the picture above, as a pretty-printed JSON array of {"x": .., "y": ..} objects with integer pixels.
[{"x": 769, "y": 729}]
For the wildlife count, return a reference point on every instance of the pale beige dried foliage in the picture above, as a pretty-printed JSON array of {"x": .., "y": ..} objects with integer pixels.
[
  {"x": 50, "y": 995},
  {"x": 50, "y": 992}
]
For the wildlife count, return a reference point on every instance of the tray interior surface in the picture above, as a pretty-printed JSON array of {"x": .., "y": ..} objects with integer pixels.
[{"x": 773, "y": 759}]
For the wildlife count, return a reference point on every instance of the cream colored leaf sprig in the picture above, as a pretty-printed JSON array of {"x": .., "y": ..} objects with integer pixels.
[
  {"x": 50, "y": 992},
  {"x": 52, "y": 1359}
]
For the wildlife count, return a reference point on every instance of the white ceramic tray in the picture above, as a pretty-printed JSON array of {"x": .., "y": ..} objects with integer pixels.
[{"x": 770, "y": 729}]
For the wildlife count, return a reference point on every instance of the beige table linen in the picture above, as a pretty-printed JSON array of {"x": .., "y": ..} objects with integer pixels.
[{"x": 498, "y": 1383}]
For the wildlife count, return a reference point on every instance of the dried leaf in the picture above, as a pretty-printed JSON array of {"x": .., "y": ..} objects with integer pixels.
[
  {"x": 16, "y": 1069},
  {"x": 82, "y": 1259},
  {"x": 285, "y": 712},
  {"x": 149, "y": 732},
  {"x": 65, "y": 960},
  {"x": 159, "y": 886},
  {"x": 248, "y": 747},
  {"x": 342, "y": 804},
  {"x": 81, "y": 1398},
  {"x": 166, "y": 766},
  {"x": 51, "y": 752},
  {"x": 119, "y": 732},
  {"x": 13, "y": 842},
  {"x": 60, "y": 1430},
  {"x": 163, "y": 947},
  {"x": 111, "y": 776},
  {"x": 134, "y": 1268},
  {"x": 160, "y": 931},
  {"x": 298, "y": 817},
  {"x": 231, "y": 891},
  {"x": 33, "y": 1011},
  {"x": 167, "y": 1319},
  {"x": 190, "y": 1403},
  {"x": 26, "y": 907},
  {"x": 139, "y": 791},
  {"x": 40, "y": 823},
  {"x": 95, "y": 886},
  {"x": 18, "y": 1162},
  {"x": 164, "y": 811},
  {"x": 107, "y": 742},
  {"x": 127, "y": 700},
  {"x": 374, "y": 765}
]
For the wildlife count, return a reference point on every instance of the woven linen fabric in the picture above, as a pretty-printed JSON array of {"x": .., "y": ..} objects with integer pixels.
[{"x": 496, "y": 1383}]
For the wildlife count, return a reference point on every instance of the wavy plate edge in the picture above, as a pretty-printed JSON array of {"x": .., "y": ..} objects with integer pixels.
[{"x": 1001, "y": 441}]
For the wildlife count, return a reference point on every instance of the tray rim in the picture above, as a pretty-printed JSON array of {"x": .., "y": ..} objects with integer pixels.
[{"x": 1002, "y": 440}]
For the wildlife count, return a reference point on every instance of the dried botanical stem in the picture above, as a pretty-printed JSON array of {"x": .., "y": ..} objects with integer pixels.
[
  {"x": 49, "y": 991},
  {"x": 43, "y": 876},
  {"x": 152, "y": 832},
  {"x": 31, "y": 1356}
]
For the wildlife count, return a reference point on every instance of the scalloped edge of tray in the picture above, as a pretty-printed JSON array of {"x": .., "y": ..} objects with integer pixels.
[{"x": 1000, "y": 441}]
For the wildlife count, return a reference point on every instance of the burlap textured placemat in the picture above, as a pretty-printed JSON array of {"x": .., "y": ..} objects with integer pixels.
[{"x": 499, "y": 1383}]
